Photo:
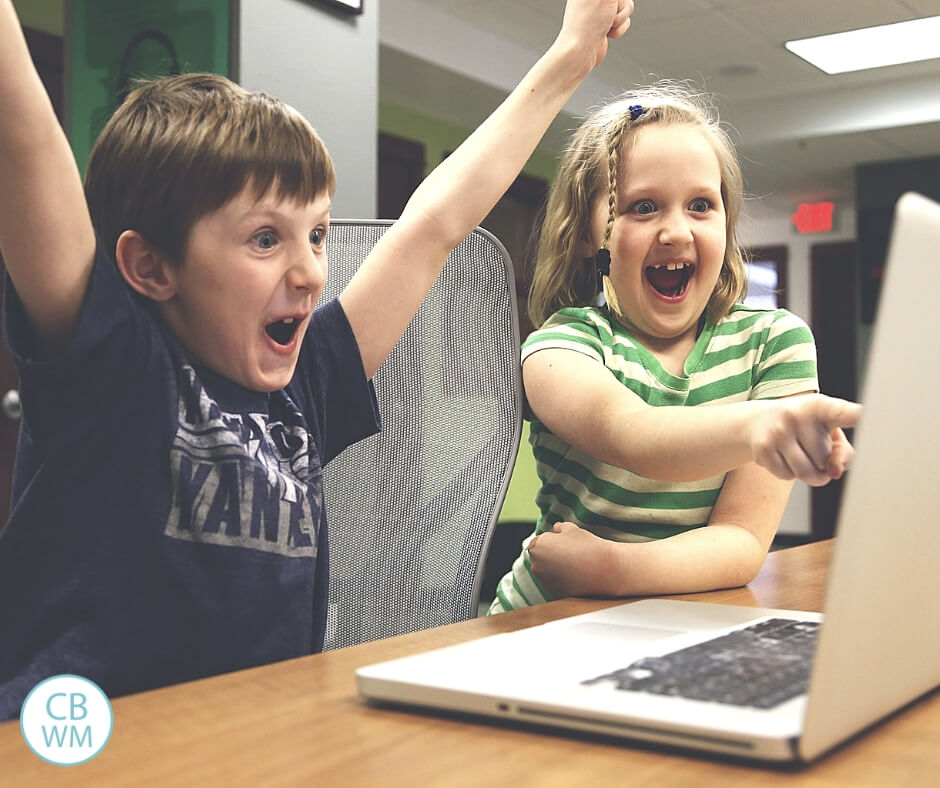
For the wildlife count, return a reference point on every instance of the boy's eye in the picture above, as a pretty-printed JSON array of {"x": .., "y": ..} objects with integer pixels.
[
  {"x": 643, "y": 207},
  {"x": 701, "y": 205},
  {"x": 318, "y": 236},
  {"x": 265, "y": 239}
]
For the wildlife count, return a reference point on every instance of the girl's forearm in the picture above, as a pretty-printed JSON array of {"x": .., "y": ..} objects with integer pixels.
[
  {"x": 705, "y": 559},
  {"x": 683, "y": 444}
]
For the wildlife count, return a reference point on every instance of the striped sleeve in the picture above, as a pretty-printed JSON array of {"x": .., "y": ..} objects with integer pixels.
[
  {"x": 569, "y": 329},
  {"x": 787, "y": 363}
]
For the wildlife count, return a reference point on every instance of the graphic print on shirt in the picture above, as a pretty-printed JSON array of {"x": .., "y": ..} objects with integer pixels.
[{"x": 242, "y": 480}]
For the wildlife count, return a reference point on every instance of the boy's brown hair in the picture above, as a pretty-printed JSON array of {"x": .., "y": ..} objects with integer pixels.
[{"x": 181, "y": 147}]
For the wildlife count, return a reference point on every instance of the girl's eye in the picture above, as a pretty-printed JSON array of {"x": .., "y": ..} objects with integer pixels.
[
  {"x": 318, "y": 236},
  {"x": 700, "y": 205},
  {"x": 266, "y": 239},
  {"x": 643, "y": 207}
]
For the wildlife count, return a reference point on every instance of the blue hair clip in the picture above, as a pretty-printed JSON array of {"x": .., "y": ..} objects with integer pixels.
[{"x": 635, "y": 111}]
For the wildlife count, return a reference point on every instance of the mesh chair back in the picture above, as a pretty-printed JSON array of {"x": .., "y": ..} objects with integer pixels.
[{"x": 411, "y": 510}]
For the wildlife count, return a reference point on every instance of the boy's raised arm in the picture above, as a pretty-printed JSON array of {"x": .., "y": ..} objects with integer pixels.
[
  {"x": 46, "y": 235},
  {"x": 384, "y": 295}
]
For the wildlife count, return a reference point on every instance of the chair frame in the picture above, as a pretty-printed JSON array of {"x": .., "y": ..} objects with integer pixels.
[{"x": 472, "y": 607}]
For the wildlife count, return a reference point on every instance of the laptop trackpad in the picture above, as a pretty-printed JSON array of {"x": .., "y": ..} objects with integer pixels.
[{"x": 619, "y": 633}]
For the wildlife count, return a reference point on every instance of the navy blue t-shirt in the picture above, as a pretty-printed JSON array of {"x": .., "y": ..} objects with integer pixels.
[{"x": 167, "y": 524}]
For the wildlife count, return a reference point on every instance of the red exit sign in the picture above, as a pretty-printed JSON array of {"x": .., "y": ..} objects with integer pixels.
[{"x": 813, "y": 217}]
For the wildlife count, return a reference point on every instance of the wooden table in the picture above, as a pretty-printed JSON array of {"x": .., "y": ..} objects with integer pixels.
[{"x": 301, "y": 722}]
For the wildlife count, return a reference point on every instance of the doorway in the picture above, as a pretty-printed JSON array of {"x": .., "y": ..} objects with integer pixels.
[
  {"x": 834, "y": 277},
  {"x": 47, "y": 54},
  {"x": 514, "y": 221},
  {"x": 401, "y": 169}
]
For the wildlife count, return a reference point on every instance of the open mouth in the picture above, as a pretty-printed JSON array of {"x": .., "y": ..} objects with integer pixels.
[
  {"x": 670, "y": 280},
  {"x": 282, "y": 331}
]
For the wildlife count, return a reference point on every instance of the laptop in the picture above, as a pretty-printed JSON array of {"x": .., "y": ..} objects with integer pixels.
[{"x": 627, "y": 671}]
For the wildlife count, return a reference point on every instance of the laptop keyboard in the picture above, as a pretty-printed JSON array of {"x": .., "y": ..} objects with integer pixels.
[{"x": 761, "y": 666}]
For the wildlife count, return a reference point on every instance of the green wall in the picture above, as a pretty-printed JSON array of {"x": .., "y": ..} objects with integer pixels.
[
  {"x": 45, "y": 15},
  {"x": 439, "y": 137},
  {"x": 519, "y": 505}
]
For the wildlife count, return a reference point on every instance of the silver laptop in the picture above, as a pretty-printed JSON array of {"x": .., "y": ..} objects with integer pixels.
[{"x": 629, "y": 670}]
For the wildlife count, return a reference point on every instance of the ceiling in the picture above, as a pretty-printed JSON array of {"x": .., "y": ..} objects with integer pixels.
[{"x": 800, "y": 132}]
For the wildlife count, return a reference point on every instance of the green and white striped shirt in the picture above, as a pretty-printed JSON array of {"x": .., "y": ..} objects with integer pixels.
[{"x": 749, "y": 354}]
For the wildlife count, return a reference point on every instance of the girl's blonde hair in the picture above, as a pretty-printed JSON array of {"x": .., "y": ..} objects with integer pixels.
[{"x": 590, "y": 168}]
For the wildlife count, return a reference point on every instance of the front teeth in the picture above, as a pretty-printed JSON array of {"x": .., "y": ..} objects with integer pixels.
[
  {"x": 672, "y": 266},
  {"x": 288, "y": 320}
]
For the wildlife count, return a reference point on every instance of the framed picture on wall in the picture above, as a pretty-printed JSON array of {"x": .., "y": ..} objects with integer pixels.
[{"x": 346, "y": 6}]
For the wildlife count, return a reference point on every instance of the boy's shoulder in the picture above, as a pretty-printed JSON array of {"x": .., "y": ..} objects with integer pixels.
[{"x": 110, "y": 316}]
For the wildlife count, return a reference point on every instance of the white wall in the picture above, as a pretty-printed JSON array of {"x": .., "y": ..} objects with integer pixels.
[
  {"x": 325, "y": 64},
  {"x": 762, "y": 227}
]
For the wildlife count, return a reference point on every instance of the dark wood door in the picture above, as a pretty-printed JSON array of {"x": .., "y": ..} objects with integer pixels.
[
  {"x": 9, "y": 424},
  {"x": 47, "y": 55},
  {"x": 835, "y": 313},
  {"x": 401, "y": 168},
  {"x": 515, "y": 220}
]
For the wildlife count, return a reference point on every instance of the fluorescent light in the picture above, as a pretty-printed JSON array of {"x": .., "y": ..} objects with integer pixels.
[{"x": 872, "y": 47}]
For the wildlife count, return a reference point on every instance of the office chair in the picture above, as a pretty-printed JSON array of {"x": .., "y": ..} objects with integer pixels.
[{"x": 412, "y": 509}]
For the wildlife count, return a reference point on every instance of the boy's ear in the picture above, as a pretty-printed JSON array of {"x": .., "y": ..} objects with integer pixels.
[{"x": 144, "y": 268}]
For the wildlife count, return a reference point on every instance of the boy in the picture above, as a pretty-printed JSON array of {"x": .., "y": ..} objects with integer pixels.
[{"x": 180, "y": 394}]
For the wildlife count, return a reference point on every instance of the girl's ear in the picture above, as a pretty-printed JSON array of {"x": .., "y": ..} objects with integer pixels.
[
  {"x": 586, "y": 249},
  {"x": 144, "y": 268}
]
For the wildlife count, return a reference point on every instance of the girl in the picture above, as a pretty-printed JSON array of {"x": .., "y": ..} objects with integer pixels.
[{"x": 666, "y": 430}]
